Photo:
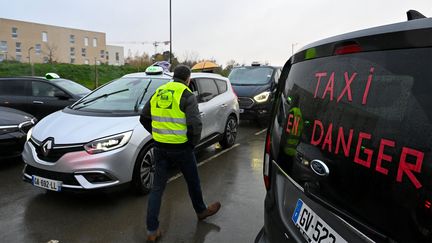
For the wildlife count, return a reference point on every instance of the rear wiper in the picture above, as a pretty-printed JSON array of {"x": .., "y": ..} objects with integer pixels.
[
  {"x": 139, "y": 100},
  {"x": 85, "y": 102}
]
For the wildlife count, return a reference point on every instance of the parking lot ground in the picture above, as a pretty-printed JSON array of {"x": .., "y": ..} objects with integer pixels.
[{"x": 232, "y": 176}]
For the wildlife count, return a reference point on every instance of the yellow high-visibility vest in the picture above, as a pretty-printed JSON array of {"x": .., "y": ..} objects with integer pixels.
[{"x": 168, "y": 121}]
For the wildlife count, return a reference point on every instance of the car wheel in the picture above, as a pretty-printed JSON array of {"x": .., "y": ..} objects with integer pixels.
[
  {"x": 230, "y": 133},
  {"x": 144, "y": 170}
]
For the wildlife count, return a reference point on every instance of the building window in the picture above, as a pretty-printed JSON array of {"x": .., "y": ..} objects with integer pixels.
[
  {"x": 97, "y": 62},
  {"x": 72, "y": 60},
  {"x": 38, "y": 49},
  {"x": 45, "y": 60},
  {"x": 18, "y": 57},
  {"x": 102, "y": 53},
  {"x": 72, "y": 52},
  {"x": 18, "y": 47},
  {"x": 3, "y": 46},
  {"x": 72, "y": 39},
  {"x": 83, "y": 52},
  {"x": 107, "y": 55},
  {"x": 85, "y": 41},
  {"x": 94, "y": 42},
  {"x": 117, "y": 56},
  {"x": 2, "y": 57},
  {"x": 86, "y": 61},
  {"x": 14, "y": 32},
  {"x": 44, "y": 36}
]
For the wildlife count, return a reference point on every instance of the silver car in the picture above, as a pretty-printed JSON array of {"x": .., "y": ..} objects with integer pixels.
[{"x": 98, "y": 142}]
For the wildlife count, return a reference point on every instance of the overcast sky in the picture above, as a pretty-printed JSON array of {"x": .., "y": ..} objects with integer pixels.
[{"x": 242, "y": 30}]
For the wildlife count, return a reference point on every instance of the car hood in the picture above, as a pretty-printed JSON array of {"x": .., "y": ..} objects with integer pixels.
[
  {"x": 68, "y": 128},
  {"x": 249, "y": 90},
  {"x": 10, "y": 116}
]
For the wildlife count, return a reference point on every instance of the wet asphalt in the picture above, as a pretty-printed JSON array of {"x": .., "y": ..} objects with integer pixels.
[{"x": 232, "y": 176}]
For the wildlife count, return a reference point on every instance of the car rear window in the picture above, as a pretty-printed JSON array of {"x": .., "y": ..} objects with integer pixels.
[
  {"x": 12, "y": 87},
  {"x": 368, "y": 117}
]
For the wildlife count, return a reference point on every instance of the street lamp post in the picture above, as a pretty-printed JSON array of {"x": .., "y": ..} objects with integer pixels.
[
  {"x": 31, "y": 66},
  {"x": 170, "y": 23},
  {"x": 292, "y": 48}
]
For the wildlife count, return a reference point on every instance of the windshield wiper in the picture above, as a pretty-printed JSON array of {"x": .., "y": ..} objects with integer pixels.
[
  {"x": 85, "y": 102},
  {"x": 140, "y": 99}
]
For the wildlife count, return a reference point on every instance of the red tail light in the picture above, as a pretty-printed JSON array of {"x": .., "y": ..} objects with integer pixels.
[
  {"x": 266, "y": 166},
  {"x": 347, "y": 49}
]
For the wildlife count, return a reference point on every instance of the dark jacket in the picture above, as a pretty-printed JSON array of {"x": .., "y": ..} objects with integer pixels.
[{"x": 189, "y": 105}]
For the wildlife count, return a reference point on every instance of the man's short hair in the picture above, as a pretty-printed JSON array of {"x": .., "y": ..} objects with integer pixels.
[{"x": 182, "y": 72}]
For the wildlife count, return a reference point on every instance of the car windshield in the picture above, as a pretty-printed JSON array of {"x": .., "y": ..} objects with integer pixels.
[
  {"x": 250, "y": 75},
  {"x": 123, "y": 95},
  {"x": 71, "y": 86}
]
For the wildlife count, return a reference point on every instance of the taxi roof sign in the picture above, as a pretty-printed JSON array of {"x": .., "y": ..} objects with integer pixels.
[
  {"x": 51, "y": 76},
  {"x": 154, "y": 70}
]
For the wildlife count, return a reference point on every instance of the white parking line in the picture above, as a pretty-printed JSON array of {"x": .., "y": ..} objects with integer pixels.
[
  {"x": 204, "y": 162},
  {"x": 258, "y": 133}
]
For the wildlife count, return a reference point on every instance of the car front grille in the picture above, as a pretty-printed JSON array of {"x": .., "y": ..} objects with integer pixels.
[
  {"x": 245, "y": 102},
  {"x": 56, "y": 152},
  {"x": 66, "y": 178}
]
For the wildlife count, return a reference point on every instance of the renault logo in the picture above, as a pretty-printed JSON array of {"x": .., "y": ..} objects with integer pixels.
[{"x": 47, "y": 146}]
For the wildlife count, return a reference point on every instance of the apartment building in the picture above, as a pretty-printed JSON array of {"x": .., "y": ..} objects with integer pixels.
[{"x": 39, "y": 43}]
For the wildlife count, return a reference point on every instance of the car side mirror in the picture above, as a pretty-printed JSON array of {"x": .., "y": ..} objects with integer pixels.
[{"x": 61, "y": 95}]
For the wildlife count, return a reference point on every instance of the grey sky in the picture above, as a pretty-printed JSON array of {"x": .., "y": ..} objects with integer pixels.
[{"x": 243, "y": 30}]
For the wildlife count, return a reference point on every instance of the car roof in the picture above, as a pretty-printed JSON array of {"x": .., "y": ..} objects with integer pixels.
[
  {"x": 170, "y": 75},
  {"x": 396, "y": 27}
]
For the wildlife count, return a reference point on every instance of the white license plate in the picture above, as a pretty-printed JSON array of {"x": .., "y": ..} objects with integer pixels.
[
  {"x": 241, "y": 110},
  {"x": 46, "y": 183},
  {"x": 313, "y": 228}
]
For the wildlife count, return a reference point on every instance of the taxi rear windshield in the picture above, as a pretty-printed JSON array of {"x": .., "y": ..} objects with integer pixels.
[{"x": 250, "y": 75}]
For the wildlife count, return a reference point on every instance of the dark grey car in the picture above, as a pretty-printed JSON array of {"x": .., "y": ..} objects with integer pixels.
[
  {"x": 348, "y": 150},
  {"x": 39, "y": 96}
]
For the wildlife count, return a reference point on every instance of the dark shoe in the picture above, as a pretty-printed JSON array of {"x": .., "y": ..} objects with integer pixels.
[
  {"x": 212, "y": 209},
  {"x": 154, "y": 237}
]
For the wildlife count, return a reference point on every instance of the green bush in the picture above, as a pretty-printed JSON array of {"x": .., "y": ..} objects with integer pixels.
[{"x": 83, "y": 74}]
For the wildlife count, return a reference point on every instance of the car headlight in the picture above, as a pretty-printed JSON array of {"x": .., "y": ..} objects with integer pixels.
[
  {"x": 263, "y": 97},
  {"x": 108, "y": 143},
  {"x": 29, "y": 133}
]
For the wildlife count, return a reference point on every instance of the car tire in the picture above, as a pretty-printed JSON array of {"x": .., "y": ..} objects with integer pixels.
[
  {"x": 144, "y": 170},
  {"x": 230, "y": 132}
]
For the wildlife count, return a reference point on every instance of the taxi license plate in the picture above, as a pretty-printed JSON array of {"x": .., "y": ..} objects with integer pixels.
[
  {"x": 48, "y": 184},
  {"x": 241, "y": 110},
  {"x": 313, "y": 228}
]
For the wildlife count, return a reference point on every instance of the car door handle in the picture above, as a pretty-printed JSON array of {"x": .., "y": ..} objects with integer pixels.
[
  {"x": 224, "y": 106},
  {"x": 38, "y": 102}
]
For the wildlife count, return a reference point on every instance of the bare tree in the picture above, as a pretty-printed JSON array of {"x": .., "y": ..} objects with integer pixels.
[{"x": 49, "y": 52}]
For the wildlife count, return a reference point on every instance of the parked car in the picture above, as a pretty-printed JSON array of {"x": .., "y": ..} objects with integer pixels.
[
  {"x": 348, "y": 149},
  {"x": 14, "y": 125},
  {"x": 40, "y": 96},
  {"x": 255, "y": 86},
  {"x": 99, "y": 142}
]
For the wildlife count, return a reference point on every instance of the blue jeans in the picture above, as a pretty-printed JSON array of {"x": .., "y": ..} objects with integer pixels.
[{"x": 164, "y": 159}]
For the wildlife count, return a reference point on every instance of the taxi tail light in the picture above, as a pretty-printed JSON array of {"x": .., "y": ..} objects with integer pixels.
[
  {"x": 347, "y": 49},
  {"x": 266, "y": 167}
]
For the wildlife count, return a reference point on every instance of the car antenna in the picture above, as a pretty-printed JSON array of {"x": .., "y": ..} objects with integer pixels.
[{"x": 413, "y": 14}]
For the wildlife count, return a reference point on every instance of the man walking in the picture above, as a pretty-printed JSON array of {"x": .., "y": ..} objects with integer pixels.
[{"x": 172, "y": 117}]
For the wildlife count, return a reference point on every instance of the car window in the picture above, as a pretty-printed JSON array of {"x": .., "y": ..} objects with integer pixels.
[
  {"x": 222, "y": 85},
  {"x": 123, "y": 95},
  {"x": 12, "y": 87},
  {"x": 41, "y": 89},
  {"x": 251, "y": 75},
  {"x": 207, "y": 89},
  {"x": 71, "y": 86}
]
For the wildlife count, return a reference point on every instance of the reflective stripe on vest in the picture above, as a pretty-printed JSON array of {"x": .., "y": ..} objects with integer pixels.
[{"x": 168, "y": 120}]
